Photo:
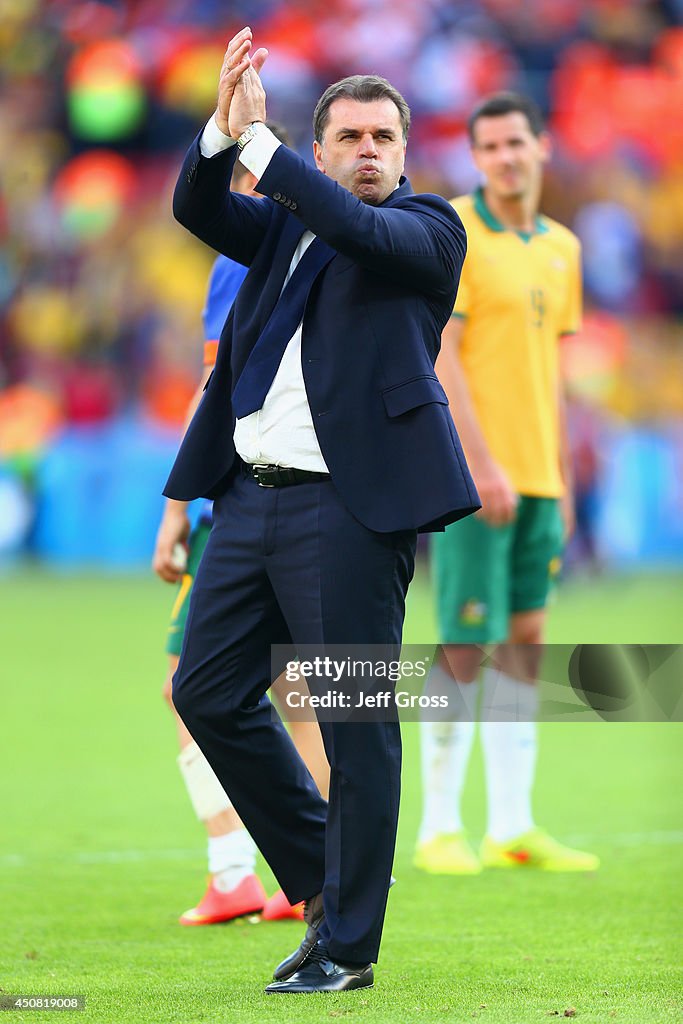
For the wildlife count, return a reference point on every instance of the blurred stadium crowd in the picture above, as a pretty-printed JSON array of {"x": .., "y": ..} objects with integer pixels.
[{"x": 101, "y": 293}]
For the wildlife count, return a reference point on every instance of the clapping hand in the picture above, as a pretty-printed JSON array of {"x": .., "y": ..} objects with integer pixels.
[{"x": 241, "y": 96}]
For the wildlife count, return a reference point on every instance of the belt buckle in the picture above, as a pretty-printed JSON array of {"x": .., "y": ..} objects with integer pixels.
[{"x": 263, "y": 469}]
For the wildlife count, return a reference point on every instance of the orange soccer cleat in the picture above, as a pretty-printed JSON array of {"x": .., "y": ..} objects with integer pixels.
[
  {"x": 278, "y": 908},
  {"x": 249, "y": 897}
]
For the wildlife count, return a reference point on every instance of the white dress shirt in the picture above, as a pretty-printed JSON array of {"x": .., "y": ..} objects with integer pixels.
[{"x": 282, "y": 432}]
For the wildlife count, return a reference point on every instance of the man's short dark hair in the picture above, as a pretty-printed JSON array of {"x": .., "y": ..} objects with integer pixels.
[
  {"x": 507, "y": 103},
  {"x": 365, "y": 89}
]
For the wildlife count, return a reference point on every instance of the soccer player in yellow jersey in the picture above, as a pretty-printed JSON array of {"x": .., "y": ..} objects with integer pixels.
[{"x": 519, "y": 293}]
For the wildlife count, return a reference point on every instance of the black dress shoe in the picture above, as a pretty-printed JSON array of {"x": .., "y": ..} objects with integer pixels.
[
  {"x": 321, "y": 974},
  {"x": 314, "y": 916}
]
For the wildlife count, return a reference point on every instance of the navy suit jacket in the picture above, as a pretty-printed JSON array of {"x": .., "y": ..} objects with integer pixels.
[{"x": 371, "y": 334}]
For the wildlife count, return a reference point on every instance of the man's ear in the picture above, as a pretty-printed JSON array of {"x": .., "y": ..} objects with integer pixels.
[{"x": 318, "y": 156}]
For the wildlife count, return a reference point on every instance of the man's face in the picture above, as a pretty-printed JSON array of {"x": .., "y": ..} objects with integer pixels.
[
  {"x": 509, "y": 155},
  {"x": 363, "y": 148}
]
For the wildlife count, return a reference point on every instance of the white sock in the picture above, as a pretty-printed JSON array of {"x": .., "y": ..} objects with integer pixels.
[
  {"x": 508, "y": 737},
  {"x": 232, "y": 857},
  {"x": 446, "y": 750}
]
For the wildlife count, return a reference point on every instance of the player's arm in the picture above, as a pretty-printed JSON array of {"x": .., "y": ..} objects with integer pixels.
[
  {"x": 566, "y": 472},
  {"x": 174, "y": 527},
  {"x": 498, "y": 499},
  {"x": 570, "y": 325}
]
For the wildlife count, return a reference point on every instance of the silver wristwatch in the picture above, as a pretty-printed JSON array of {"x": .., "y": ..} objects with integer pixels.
[{"x": 249, "y": 133}]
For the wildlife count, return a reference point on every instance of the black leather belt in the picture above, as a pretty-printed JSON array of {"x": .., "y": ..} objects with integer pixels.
[{"x": 282, "y": 476}]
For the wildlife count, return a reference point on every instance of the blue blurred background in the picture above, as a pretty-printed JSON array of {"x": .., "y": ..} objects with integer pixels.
[{"x": 101, "y": 293}]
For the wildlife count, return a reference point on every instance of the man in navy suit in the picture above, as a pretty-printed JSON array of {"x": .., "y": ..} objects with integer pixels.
[{"x": 326, "y": 440}]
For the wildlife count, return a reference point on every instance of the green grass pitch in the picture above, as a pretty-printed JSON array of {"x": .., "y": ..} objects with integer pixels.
[{"x": 99, "y": 850}]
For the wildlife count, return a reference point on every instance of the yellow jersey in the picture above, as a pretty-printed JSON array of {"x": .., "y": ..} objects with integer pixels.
[{"x": 518, "y": 295}]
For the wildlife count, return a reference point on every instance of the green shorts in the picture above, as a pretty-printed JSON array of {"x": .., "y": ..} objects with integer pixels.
[
  {"x": 483, "y": 574},
  {"x": 176, "y": 627}
]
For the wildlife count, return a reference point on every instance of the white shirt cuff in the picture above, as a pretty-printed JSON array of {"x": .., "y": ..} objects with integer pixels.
[
  {"x": 258, "y": 152},
  {"x": 213, "y": 141}
]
